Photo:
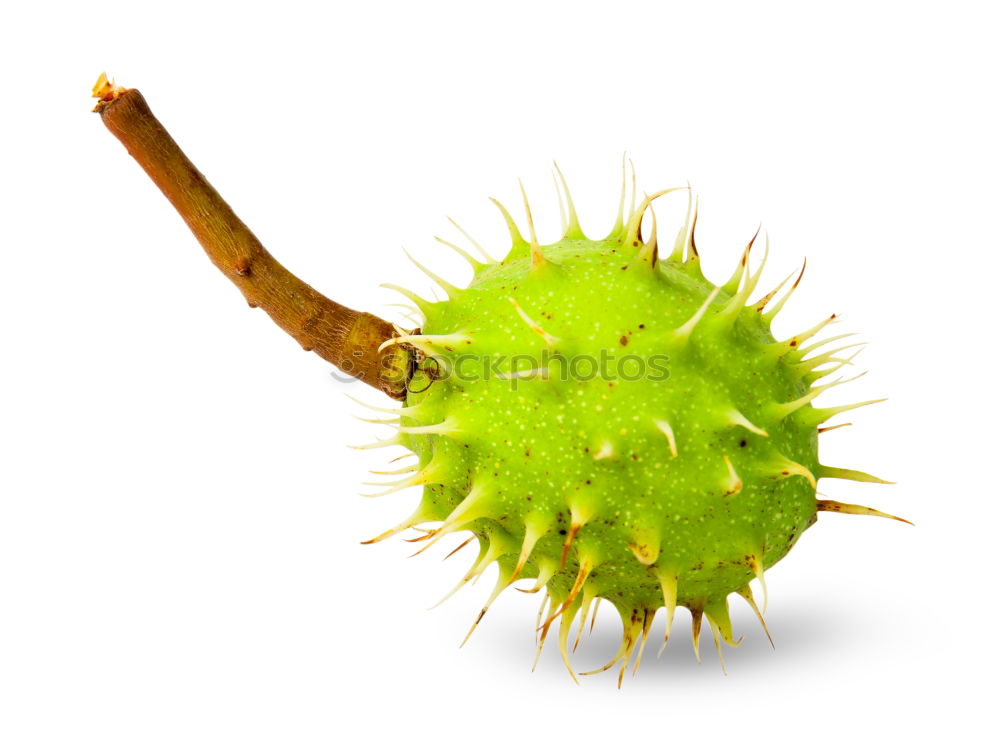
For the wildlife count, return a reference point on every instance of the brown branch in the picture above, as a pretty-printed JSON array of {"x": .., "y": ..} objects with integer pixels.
[{"x": 347, "y": 338}]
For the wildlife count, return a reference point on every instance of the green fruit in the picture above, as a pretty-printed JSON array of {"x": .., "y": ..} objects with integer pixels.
[{"x": 612, "y": 425}]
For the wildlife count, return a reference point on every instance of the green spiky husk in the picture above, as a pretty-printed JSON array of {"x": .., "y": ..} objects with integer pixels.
[{"x": 647, "y": 492}]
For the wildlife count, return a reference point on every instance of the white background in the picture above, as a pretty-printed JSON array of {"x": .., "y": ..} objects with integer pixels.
[{"x": 179, "y": 519}]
